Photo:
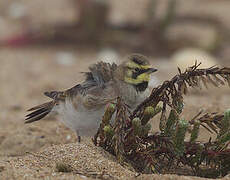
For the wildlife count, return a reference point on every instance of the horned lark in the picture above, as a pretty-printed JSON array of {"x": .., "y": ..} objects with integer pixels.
[{"x": 82, "y": 106}]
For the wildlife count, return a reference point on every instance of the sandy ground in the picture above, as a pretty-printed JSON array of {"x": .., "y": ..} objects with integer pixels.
[{"x": 30, "y": 151}]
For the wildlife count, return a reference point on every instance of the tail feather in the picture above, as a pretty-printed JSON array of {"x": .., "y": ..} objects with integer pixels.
[
  {"x": 45, "y": 105},
  {"x": 39, "y": 112},
  {"x": 36, "y": 112}
]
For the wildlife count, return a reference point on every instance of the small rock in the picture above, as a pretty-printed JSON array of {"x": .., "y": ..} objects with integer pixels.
[
  {"x": 17, "y": 10},
  {"x": 84, "y": 177},
  {"x": 65, "y": 58},
  {"x": 187, "y": 57},
  {"x": 108, "y": 55},
  {"x": 68, "y": 137}
]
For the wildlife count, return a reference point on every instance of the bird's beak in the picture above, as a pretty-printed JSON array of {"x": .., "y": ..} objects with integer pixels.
[{"x": 151, "y": 70}]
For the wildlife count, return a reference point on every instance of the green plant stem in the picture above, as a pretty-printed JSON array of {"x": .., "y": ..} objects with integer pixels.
[{"x": 179, "y": 137}]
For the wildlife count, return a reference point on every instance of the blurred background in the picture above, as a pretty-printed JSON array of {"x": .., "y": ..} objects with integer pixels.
[{"x": 45, "y": 44}]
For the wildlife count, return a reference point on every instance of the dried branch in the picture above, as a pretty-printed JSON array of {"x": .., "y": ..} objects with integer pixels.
[
  {"x": 178, "y": 85},
  {"x": 132, "y": 144}
]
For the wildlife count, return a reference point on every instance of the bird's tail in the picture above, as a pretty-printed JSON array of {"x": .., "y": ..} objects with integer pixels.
[{"x": 40, "y": 111}]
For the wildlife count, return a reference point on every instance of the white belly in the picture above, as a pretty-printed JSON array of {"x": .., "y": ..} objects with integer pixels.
[
  {"x": 83, "y": 121},
  {"x": 86, "y": 122}
]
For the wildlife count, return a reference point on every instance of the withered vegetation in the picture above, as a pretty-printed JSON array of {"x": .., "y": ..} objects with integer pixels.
[
  {"x": 167, "y": 151},
  {"x": 63, "y": 167}
]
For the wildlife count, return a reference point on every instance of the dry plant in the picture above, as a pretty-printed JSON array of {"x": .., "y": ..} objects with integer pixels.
[
  {"x": 128, "y": 138},
  {"x": 63, "y": 167}
]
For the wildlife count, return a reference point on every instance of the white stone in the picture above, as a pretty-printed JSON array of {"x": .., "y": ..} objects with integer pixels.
[
  {"x": 65, "y": 58},
  {"x": 187, "y": 57},
  {"x": 108, "y": 55},
  {"x": 17, "y": 10}
]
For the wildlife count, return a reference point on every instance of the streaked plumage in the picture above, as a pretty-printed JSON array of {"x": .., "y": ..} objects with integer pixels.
[{"x": 82, "y": 106}]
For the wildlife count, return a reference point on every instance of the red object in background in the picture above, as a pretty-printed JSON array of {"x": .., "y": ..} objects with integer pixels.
[{"x": 19, "y": 39}]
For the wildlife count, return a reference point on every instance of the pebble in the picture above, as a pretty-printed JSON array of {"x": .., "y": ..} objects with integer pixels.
[
  {"x": 65, "y": 58},
  {"x": 17, "y": 10},
  {"x": 68, "y": 137},
  {"x": 108, "y": 55},
  {"x": 187, "y": 57}
]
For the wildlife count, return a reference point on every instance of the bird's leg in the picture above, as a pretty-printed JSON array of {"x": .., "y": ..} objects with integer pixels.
[{"x": 78, "y": 136}]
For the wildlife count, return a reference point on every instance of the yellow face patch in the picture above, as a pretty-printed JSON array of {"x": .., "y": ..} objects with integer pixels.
[
  {"x": 145, "y": 77},
  {"x": 133, "y": 65}
]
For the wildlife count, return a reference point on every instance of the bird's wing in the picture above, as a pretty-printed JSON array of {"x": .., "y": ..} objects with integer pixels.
[
  {"x": 100, "y": 73},
  {"x": 100, "y": 96},
  {"x": 97, "y": 89},
  {"x": 98, "y": 76},
  {"x": 93, "y": 92}
]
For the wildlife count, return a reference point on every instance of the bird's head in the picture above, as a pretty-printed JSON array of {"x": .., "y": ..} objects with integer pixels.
[{"x": 136, "y": 70}]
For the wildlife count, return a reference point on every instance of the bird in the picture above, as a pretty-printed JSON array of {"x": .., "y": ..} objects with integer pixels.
[{"x": 82, "y": 106}]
